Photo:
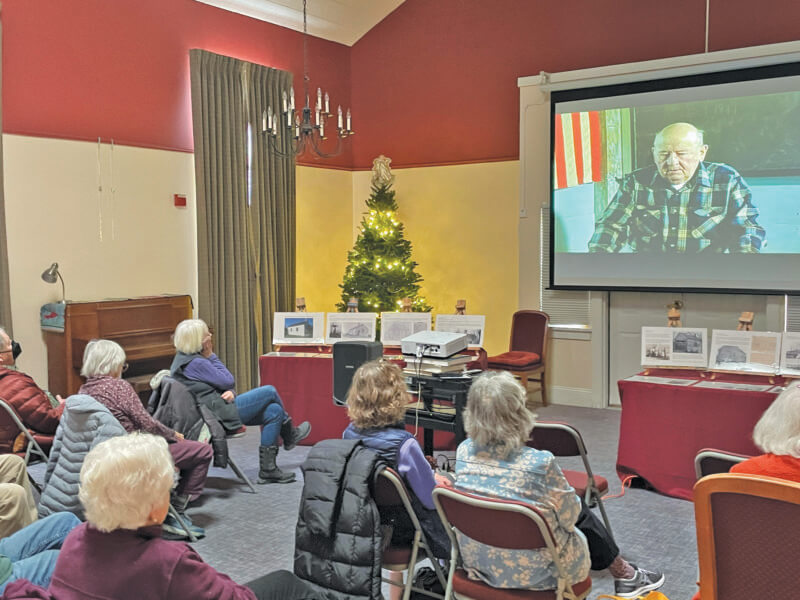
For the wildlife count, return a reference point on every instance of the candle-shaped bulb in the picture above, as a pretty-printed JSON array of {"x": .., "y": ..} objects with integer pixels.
[
  {"x": 348, "y": 120},
  {"x": 322, "y": 128},
  {"x": 264, "y": 120},
  {"x": 327, "y": 104},
  {"x": 339, "y": 121},
  {"x": 316, "y": 117},
  {"x": 284, "y": 101},
  {"x": 288, "y": 119},
  {"x": 297, "y": 127},
  {"x": 291, "y": 98}
]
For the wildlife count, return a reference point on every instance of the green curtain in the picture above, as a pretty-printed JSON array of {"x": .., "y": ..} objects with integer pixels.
[
  {"x": 5, "y": 288},
  {"x": 245, "y": 208}
]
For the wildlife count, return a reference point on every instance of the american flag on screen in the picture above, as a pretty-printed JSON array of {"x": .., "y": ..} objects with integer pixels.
[{"x": 578, "y": 149}]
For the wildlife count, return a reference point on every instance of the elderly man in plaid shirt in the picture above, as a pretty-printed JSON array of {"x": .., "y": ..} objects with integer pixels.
[{"x": 680, "y": 204}]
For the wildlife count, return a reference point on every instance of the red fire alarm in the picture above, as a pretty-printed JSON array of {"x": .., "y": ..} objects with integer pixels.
[{"x": 180, "y": 200}]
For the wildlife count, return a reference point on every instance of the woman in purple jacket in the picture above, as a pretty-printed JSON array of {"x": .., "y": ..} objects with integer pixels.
[
  {"x": 198, "y": 368},
  {"x": 119, "y": 552}
]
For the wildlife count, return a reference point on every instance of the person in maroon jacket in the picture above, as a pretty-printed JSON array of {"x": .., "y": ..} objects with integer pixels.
[{"x": 30, "y": 402}]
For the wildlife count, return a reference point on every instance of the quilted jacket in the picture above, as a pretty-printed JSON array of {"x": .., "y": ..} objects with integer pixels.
[
  {"x": 85, "y": 424},
  {"x": 338, "y": 537},
  {"x": 30, "y": 403}
]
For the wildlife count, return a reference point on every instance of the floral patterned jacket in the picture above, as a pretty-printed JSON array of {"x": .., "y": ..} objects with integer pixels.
[{"x": 527, "y": 475}]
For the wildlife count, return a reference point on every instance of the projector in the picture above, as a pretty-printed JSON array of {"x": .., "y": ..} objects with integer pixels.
[{"x": 438, "y": 344}]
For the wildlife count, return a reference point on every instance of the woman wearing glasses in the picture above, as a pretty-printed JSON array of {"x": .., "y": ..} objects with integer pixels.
[{"x": 103, "y": 365}]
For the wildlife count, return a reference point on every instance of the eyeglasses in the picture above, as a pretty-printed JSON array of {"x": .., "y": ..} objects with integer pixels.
[{"x": 125, "y": 367}]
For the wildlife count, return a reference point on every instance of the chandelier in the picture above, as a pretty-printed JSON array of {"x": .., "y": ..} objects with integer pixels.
[{"x": 306, "y": 127}]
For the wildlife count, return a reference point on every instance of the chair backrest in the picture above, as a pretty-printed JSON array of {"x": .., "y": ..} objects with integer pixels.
[
  {"x": 747, "y": 536},
  {"x": 499, "y": 523},
  {"x": 9, "y": 415},
  {"x": 390, "y": 491},
  {"x": 710, "y": 461},
  {"x": 529, "y": 331},
  {"x": 561, "y": 439}
]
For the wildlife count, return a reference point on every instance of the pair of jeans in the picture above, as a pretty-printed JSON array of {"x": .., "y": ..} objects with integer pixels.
[
  {"x": 33, "y": 550},
  {"x": 281, "y": 585},
  {"x": 262, "y": 406}
]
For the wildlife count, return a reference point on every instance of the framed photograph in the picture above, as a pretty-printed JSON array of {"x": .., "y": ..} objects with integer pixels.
[
  {"x": 350, "y": 327},
  {"x": 674, "y": 347},
  {"x": 472, "y": 325},
  {"x": 398, "y": 325},
  {"x": 745, "y": 351},
  {"x": 298, "y": 328},
  {"x": 790, "y": 354}
]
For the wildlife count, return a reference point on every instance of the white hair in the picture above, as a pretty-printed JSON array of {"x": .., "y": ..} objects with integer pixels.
[
  {"x": 102, "y": 357},
  {"x": 496, "y": 413},
  {"x": 189, "y": 336},
  {"x": 778, "y": 429},
  {"x": 123, "y": 479}
]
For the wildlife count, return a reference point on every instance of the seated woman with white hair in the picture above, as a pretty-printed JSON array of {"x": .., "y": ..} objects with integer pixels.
[
  {"x": 103, "y": 365},
  {"x": 119, "y": 553},
  {"x": 198, "y": 368},
  {"x": 495, "y": 461}
]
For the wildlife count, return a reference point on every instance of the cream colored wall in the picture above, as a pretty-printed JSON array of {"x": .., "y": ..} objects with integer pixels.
[
  {"x": 324, "y": 234},
  {"x": 53, "y": 213},
  {"x": 462, "y": 223}
]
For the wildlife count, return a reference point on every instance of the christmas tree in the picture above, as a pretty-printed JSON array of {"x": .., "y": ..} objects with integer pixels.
[{"x": 380, "y": 272}]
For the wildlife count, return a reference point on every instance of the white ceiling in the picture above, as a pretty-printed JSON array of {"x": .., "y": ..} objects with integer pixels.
[{"x": 343, "y": 21}]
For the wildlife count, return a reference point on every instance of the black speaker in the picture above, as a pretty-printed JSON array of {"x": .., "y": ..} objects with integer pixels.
[{"x": 347, "y": 357}]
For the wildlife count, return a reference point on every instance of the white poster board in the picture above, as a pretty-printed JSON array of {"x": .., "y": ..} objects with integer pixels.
[
  {"x": 790, "y": 354},
  {"x": 397, "y": 325},
  {"x": 674, "y": 347},
  {"x": 745, "y": 351},
  {"x": 471, "y": 325},
  {"x": 298, "y": 328},
  {"x": 350, "y": 327}
]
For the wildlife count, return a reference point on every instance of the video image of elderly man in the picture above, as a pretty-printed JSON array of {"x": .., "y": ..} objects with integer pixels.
[{"x": 681, "y": 203}]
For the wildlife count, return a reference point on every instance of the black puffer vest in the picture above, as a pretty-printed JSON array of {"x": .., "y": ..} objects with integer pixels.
[
  {"x": 206, "y": 395},
  {"x": 338, "y": 537}
]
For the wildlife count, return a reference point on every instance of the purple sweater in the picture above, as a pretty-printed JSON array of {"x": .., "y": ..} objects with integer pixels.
[
  {"x": 210, "y": 370},
  {"x": 134, "y": 565}
]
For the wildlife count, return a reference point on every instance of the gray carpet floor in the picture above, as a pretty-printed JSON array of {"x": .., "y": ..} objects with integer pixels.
[{"x": 252, "y": 534}]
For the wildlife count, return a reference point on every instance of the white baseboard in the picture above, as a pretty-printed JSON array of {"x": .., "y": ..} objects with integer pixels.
[{"x": 571, "y": 396}]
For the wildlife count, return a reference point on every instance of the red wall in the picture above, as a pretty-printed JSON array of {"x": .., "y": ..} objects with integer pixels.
[
  {"x": 434, "y": 83},
  {"x": 120, "y": 68}
]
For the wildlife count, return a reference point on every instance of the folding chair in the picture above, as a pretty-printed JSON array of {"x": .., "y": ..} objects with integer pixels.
[
  {"x": 32, "y": 447},
  {"x": 710, "y": 461},
  {"x": 503, "y": 524},
  {"x": 563, "y": 439},
  {"x": 747, "y": 538},
  {"x": 391, "y": 492}
]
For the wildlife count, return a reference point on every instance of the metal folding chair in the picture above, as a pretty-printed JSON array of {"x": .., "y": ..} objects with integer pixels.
[
  {"x": 390, "y": 491},
  {"x": 564, "y": 440},
  {"x": 32, "y": 447},
  {"x": 501, "y": 524},
  {"x": 710, "y": 461}
]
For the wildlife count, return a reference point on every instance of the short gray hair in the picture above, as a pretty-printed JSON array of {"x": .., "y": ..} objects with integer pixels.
[
  {"x": 123, "y": 479},
  {"x": 778, "y": 429},
  {"x": 189, "y": 335},
  {"x": 496, "y": 413},
  {"x": 102, "y": 357}
]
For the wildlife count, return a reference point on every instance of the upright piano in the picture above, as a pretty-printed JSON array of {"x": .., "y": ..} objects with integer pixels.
[{"x": 142, "y": 326}]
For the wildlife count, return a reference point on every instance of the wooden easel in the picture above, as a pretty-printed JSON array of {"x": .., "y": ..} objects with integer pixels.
[
  {"x": 674, "y": 314},
  {"x": 745, "y": 322},
  {"x": 405, "y": 305},
  {"x": 300, "y": 304},
  {"x": 461, "y": 307},
  {"x": 352, "y": 305}
]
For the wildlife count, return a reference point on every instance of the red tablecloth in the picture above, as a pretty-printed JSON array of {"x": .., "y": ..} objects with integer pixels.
[
  {"x": 663, "y": 427},
  {"x": 305, "y": 384}
]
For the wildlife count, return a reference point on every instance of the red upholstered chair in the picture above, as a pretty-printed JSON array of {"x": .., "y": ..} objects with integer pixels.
[
  {"x": 563, "y": 439},
  {"x": 391, "y": 492},
  {"x": 526, "y": 351},
  {"x": 502, "y": 524},
  {"x": 747, "y": 538},
  {"x": 710, "y": 461}
]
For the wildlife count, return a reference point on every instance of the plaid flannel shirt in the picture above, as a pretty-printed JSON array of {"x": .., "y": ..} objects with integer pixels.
[{"x": 713, "y": 212}]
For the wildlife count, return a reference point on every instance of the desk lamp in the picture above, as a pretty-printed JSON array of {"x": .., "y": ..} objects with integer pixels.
[{"x": 51, "y": 275}]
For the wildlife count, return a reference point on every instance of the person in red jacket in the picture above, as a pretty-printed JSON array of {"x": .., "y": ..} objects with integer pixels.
[{"x": 30, "y": 402}]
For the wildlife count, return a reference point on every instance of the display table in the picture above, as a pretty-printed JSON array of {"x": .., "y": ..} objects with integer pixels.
[
  {"x": 304, "y": 380},
  {"x": 664, "y": 426}
]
